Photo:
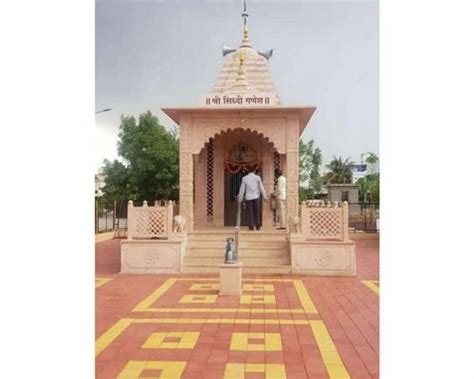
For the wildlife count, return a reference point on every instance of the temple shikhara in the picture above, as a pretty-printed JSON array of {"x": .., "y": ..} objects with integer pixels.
[{"x": 240, "y": 125}]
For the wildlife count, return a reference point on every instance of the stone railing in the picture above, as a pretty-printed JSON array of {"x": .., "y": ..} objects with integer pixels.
[
  {"x": 319, "y": 240},
  {"x": 156, "y": 240},
  {"x": 150, "y": 222},
  {"x": 325, "y": 221}
]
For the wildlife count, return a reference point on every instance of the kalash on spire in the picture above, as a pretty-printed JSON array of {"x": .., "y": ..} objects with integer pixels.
[{"x": 245, "y": 78}]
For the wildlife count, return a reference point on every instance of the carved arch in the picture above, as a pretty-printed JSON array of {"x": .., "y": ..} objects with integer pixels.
[
  {"x": 198, "y": 146},
  {"x": 272, "y": 131}
]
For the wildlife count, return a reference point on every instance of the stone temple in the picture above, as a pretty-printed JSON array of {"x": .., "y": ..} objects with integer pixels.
[{"x": 241, "y": 124}]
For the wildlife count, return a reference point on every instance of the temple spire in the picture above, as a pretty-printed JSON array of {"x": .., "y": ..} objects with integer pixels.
[
  {"x": 245, "y": 14},
  {"x": 247, "y": 71}
]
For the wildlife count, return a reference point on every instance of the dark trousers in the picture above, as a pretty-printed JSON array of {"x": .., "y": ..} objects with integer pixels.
[{"x": 253, "y": 213}]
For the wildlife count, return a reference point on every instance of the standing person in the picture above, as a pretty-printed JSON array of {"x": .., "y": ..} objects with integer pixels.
[
  {"x": 280, "y": 195},
  {"x": 252, "y": 188}
]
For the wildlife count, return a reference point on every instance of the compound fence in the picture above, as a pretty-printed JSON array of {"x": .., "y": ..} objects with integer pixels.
[
  {"x": 364, "y": 217},
  {"x": 110, "y": 217}
]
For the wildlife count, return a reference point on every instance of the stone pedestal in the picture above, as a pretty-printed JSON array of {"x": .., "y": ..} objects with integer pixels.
[
  {"x": 153, "y": 256},
  {"x": 230, "y": 281},
  {"x": 322, "y": 258}
]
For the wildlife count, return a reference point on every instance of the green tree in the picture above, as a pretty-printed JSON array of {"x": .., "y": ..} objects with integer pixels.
[
  {"x": 372, "y": 158},
  {"x": 340, "y": 171},
  {"x": 309, "y": 165},
  {"x": 369, "y": 188},
  {"x": 150, "y": 168},
  {"x": 117, "y": 179}
]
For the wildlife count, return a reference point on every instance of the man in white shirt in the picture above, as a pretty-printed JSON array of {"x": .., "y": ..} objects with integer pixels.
[
  {"x": 280, "y": 195},
  {"x": 252, "y": 188}
]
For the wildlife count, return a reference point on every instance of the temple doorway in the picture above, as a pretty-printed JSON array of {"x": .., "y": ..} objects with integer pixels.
[
  {"x": 240, "y": 159},
  {"x": 232, "y": 187},
  {"x": 218, "y": 172}
]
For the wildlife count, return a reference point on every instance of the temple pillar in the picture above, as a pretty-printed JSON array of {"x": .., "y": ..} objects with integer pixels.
[
  {"x": 292, "y": 168},
  {"x": 186, "y": 201},
  {"x": 267, "y": 212},
  {"x": 186, "y": 188},
  {"x": 200, "y": 192}
]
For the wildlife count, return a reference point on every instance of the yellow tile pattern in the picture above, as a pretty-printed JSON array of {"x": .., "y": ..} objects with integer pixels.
[
  {"x": 233, "y": 321},
  {"x": 329, "y": 353},
  {"x": 198, "y": 299},
  {"x": 257, "y": 299},
  {"x": 227, "y": 310},
  {"x": 146, "y": 304},
  {"x": 270, "y": 342},
  {"x": 304, "y": 297},
  {"x": 238, "y": 370},
  {"x": 170, "y": 369},
  {"x": 187, "y": 279},
  {"x": 305, "y": 300},
  {"x": 187, "y": 340},
  {"x": 111, "y": 334},
  {"x": 373, "y": 285},
  {"x": 101, "y": 281},
  {"x": 204, "y": 287},
  {"x": 239, "y": 341},
  {"x": 115, "y": 330},
  {"x": 259, "y": 287}
]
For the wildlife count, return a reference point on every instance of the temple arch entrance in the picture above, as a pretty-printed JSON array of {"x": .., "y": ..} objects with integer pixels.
[{"x": 218, "y": 171}]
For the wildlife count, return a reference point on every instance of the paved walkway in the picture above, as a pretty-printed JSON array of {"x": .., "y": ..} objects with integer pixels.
[{"x": 281, "y": 327}]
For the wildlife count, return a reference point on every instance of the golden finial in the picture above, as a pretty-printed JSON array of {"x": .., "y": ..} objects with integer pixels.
[
  {"x": 241, "y": 80},
  {"x": 246, "y": 33}
]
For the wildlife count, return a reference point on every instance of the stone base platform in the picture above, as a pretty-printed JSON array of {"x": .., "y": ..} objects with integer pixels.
[
  {"x": 323, "y": 258},
  {"x": 152, "y": 256}
]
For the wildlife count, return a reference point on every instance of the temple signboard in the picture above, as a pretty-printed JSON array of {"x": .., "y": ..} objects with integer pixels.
[{"x": 238, "y": 100}]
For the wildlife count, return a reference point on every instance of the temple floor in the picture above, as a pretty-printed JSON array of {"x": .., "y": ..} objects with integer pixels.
[{"x": 282, "y": 326}]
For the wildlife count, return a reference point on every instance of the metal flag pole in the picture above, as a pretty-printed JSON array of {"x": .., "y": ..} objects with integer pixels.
[
  {"x": 237, "y": 230},
  {"x": 245, "y": 14}
]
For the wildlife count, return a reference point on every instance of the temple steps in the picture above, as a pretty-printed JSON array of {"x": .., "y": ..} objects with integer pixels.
[
  {"x": 243, "y": 245},
  {"x": 267, "y": 270},
  {"x": 246, "y": 261},
  {"x": 244, "y": 253},
  {"x": 262, "y": 252},
  {"x": 245, "y": 235}
]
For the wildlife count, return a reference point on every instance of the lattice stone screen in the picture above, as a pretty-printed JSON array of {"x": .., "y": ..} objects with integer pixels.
[
  {"x": 150, "y": 222},
  {"x": 325, "y": 221},
  {"x": 210, "y": 180}
]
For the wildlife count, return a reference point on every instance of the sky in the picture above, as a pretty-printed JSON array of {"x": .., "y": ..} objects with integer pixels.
[{"x": 153, "y": 54}]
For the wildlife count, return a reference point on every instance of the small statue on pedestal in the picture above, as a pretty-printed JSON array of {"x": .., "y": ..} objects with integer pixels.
[{"x": 230, "y": 251}]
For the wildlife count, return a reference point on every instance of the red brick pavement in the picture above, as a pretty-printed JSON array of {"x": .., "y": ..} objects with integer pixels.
[{"x": 348, "y": 308}]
